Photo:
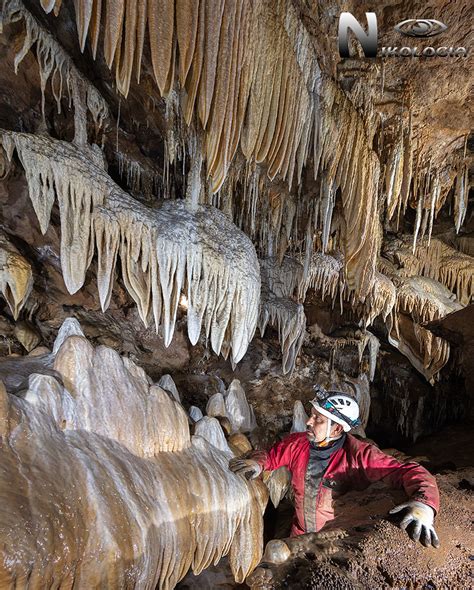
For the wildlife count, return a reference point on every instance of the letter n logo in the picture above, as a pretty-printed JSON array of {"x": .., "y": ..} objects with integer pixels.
[{"x": 367, "y": 40}]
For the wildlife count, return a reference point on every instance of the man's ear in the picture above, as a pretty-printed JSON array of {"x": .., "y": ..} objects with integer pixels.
[{"x": 337, "y": 429}]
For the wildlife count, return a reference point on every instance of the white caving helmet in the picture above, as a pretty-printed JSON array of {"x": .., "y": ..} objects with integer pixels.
[{"x": 338, "y": 407}]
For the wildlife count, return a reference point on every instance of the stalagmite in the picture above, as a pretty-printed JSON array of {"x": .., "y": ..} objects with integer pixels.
[
  {"x": 163, "y": 251},
  {"x": 195, "y": 414},
  {"x": 210, "y": 429},
  {"x": 300, "y": 417},
  {"x": 70, "y": 327},
  {"x": 16, "y": 276},
  {"x": 238, "y": 410},
  {"x": 166, "y": 382},
  {"x": 239, "y": 443},
  {"x": 119, "y": 478},
  {"x": 216, "y": 405}
]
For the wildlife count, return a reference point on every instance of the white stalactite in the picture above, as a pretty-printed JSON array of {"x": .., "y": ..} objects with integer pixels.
[
  {"x": 163, "y": 251},
  {"x": 421, "y": 300},
  {"x": 54, "y": 63}
]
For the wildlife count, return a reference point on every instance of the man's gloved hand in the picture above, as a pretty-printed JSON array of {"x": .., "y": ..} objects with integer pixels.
[
  {"x": 249, "y": 468},
  {"x": 422, "y": 517}
]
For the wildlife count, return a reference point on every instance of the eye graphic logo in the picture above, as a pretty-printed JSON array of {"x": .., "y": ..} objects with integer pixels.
[{"x": 416, "y": 27}]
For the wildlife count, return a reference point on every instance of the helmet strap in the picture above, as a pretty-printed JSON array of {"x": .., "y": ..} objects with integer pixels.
[
  {"x": 328, "y": 439},
  {"x": 328, "y": 431}
]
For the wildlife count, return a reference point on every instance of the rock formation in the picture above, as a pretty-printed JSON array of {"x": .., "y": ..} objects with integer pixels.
[
  {"x": 173, "y": 175},
  {"x": 91, "y": 463}
]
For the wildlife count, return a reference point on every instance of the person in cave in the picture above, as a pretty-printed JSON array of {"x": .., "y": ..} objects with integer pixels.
[{"x": 327, "y": 458}]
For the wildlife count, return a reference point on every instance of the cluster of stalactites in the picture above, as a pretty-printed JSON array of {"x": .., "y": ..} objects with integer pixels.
[
  {"x": 140, "y": 179},
  {"x": 16, "y": 276},
  {"x": 120, "y": 480},
  {"x": 421, "y": 300},
  {"x": 412, "y": 179},
  {"x": 290, "y": 320},
  {"x": 325, "y": 276},
  {"x": 57, "y": 66},
  {"x": 250, "y": 72},
  {"x": 279, "y": 283},
  {"x": 348, "y": 171},
  {"x": 234, "y": 60},
  {"x": 175, "y": 248},
  {"x": 436, "y": 260}
]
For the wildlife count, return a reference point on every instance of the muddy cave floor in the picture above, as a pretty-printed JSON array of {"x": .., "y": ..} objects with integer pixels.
[{"x": 363, "y": 548}]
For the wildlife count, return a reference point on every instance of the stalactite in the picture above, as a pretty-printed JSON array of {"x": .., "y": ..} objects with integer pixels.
[
  {"x": 163, "y": 251},
  {"x": 437, "y": 260},
  {"x": 138, "y": 177},
  {"x": 53, "y": 62},
  {"x": 279, "y": 282},
  {"x": 119, "y": 477},
  {"x": 394, "y": 176},
  {"x": 278, "y": 483},
  {"x": 253, "y": 76},
  {"x": 461, "y": 195},
  {"x": 281, "y": 278},
  {"x": 324, "y": 275},
  {"x": 421, "y": 300},
  {"x": 16, "y": 276},
  {"x": 290, "y": 320},
  {"x": 370, "y": 341}
]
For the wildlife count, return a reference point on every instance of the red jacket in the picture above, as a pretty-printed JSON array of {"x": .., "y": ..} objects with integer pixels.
[{"x": 354, "y": 466}]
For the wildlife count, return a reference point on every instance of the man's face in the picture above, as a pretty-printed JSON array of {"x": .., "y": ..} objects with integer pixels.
[{"x": 316, "y": 427}]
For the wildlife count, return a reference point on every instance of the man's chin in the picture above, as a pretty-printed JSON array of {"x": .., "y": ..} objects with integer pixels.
[{"x": 310, "y": 435}]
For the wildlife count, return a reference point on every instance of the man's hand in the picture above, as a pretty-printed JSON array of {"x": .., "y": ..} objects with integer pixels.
[
  {"x": 249, "y": 468},
  {"x": 422, "y": 517}
]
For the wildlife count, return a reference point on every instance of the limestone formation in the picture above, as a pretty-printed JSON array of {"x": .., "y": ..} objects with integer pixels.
[
  {"x": 162, "y": 251},
  {"x": 16, "y": 276},
  {"x": 114, "y": 450}
]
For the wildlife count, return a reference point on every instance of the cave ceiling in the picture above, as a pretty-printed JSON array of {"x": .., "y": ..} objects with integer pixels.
[{"x": 165, "y": 149}]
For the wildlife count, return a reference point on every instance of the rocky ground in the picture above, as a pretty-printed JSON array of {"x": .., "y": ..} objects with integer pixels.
[{"x": 363, "y": 549}]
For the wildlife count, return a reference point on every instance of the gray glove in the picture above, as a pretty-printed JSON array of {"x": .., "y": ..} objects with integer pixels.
[
  {"x": 249, "y": 468},
  {"x": 422, "y": 517}
]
